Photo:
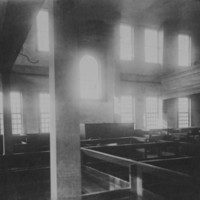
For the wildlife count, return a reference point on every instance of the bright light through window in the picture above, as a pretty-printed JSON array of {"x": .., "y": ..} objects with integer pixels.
[
  {"x": 126, "y": 42},
  {"x": 153, "y": 46},
  {"x": 183, "y": 112},
  {"x": 127, "y": 115},
  {"x": 184, "y": 50},
  {"x": 152, "y": 112},
  {"x": 44, "y": 112},
  {"x": 16, "y": 112},
  {"x": 89, "y": 78},
  {"x": 43, "y": 30}
]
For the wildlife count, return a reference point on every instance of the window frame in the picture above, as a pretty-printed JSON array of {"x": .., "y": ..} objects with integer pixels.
[
  {"x": 183, "y": 113},
  {"x": 123, "y": 114},
  {"x": 158, "y": 46},
  {"x": 122, "y": 42},
  {"x": 43, "y": 32},
  {"x": 83, "y": 81},
  {"x": 189, "y": 51},
  {"x": 18, "y": 115},
  {"x": 44, "y": 127},
  {"x": 148, "y": 114}
]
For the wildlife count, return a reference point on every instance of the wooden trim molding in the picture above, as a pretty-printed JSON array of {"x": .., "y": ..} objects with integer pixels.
[
  {"x": 181, "y": 83},
  {"x": 31, "y": 70}
]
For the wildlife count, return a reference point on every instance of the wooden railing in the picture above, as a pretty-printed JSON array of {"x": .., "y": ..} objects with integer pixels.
[
  {"x": 137, "y": 170},
  {"x": 112, "y": 141},
  {"x": 141, "y": 151}
]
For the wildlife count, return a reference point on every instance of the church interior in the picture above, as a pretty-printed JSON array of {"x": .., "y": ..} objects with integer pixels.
[{"x": 100, "y": 100}]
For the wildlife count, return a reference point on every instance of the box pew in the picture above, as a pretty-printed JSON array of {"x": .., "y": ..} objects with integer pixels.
[
  {"x": 189, "y": 165},
  {"x": 149, "y": 181},
  {"x": 153, "y": 135},
  {"x": 25, "y": 176},
  {"x": 181, "y": 178},
  {"x": 44, "y": 141},
  {"x": 190, "y": 149},
  {"x": 19, "y": 143},
  {"x": 31, "y": 142},
  {"x": 94, "y": 180},
  {"x": 140, "y": 151},
  {"x": 112, "y": 141},
  {"x": 108, "y": 130},
  {"x": 190, "y": 134},
  {"x": 121, "y": 194}
]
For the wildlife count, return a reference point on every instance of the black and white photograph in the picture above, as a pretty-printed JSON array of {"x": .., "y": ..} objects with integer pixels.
[{"x": 99, "y": 99}]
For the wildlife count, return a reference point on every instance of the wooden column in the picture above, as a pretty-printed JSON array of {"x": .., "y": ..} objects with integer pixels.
[
  {"x": 8, "y": 144},
  {"x": 65, "y": 136}
]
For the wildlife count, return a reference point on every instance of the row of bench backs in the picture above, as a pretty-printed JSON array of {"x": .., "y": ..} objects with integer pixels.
[
  {"x": 190, "y": 130},
  {"x": 117, "y": 130},
  {"x": 108, "y": 130},
  {"x": 29, "y": 142},
  {"x": 42, "y": 139}
]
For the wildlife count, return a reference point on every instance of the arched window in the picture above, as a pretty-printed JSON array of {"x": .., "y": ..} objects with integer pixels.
[{"x": 89, "y": 78}]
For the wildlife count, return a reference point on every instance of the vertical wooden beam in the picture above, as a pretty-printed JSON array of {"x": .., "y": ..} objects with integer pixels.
[
  {"x": 65, "y": 136},
  {"x": 136, "y": 181},
  {"x": 8, "y": 144}
]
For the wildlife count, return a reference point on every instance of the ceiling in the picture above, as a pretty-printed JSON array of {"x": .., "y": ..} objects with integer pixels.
[
  {"x": 163, "y": 11},
  {"x": 16, "y": 17},
  {"x": 143, "y": 11}
]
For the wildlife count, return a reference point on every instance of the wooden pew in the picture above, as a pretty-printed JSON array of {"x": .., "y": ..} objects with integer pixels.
[
  {"x": 141, "y": 151},
  {"x": 108, "y": 130},
  {"x": 112, "y": 141},
  {"x": 145, "y": 189},
  {"x": 94, "y": 181},
  {"x": 29, "y": 183},
  {"x": 121, "y": 194},
  {"x": 25, "y": 176},
  {"x": 190, "y": 134},
  {"x": 31, "y": 142}
]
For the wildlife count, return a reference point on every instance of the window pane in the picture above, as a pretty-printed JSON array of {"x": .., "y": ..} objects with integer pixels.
[
  {"x": 44, "y": 112},
  {"x": 43, "y": 30},
  {"x": 126, "y": 41},
  {"x": 16, "y": 112},
  {"x": 183, "y": 112},
  {"x": 160, "y": 46},
  {"x": 152, "y": 112},
  {"x": 151, "y": 46},
  {"x": 89, "y": 78},
  {"x": 184, "y": 50},
  {"x": 126, "y": 104}
]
